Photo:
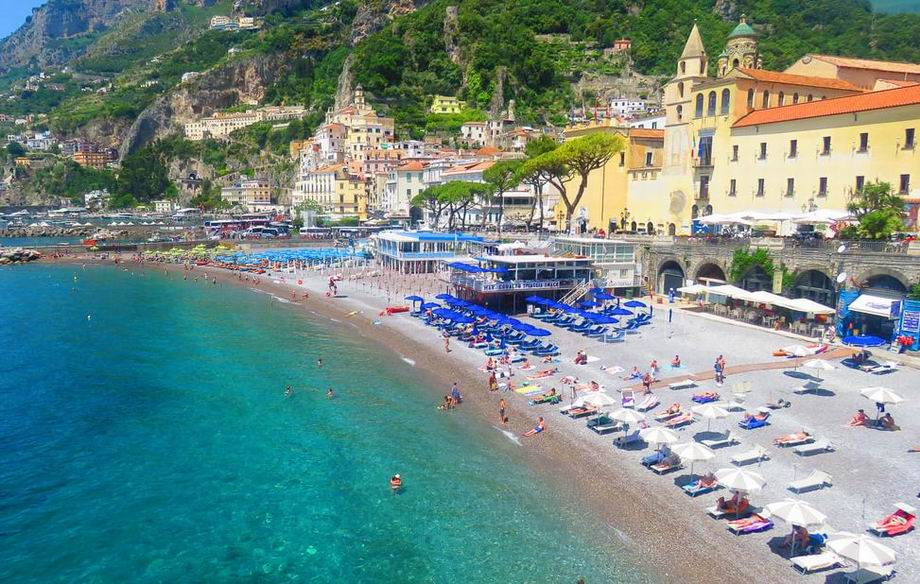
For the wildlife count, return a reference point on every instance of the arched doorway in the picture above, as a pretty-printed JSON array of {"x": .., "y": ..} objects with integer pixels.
[
  {"x": 672, "y": 229},
  {"x": 695, "y": 212},
  {"x": 710, "y": 274},
  {"x": 670, "y": 275},
  {"x": 756, "y": 279},
  {"x": 884, "y": 285},
  {"x": 707, "y": 211},
  {"x": 633, "y": 226},
  {"x": 650, "y": 228},
  {"x": 815, "y": 285}
]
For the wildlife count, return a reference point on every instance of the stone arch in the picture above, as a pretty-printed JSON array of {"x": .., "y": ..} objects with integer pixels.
[
  {"x": 756, "y": 279},
  {"x": 672, "y": 229},
  {"x": 710, "y": 271},
  {"x": 884, "y": 280},
  {"x": 650, "y": 228},
  {"x": 815, "y": 284},
  {"x": 670, "y": 275}
]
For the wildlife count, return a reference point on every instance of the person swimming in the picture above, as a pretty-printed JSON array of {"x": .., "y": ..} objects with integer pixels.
[
  {"x": 319, "y": 362},
  {"x": 396, "y": 482},
  {"x": 288, "y": 392},
  {"x": 329, "y": 393}
]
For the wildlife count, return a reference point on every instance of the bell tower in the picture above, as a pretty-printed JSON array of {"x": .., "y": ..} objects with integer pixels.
[{"x": 740, "y": 50}]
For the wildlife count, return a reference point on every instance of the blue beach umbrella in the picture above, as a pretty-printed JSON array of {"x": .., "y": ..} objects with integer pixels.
[
  {"x": 619, "y": 312},
  {"x": 589, "y": 304},
  {"x": 444, "y": 297},
  {"x": 538, "y": 332},
  {"x": 428, "y": 305},
  {"x": 415, "y": 298},
  {"x": 604, "y": 296},
  {"x": 634, "y": 304}
]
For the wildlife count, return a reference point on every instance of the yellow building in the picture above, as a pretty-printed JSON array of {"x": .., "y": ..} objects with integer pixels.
[
  {"x": 351, "y": 192},
  {"x": 446, "y": 104},
  {"x": 818, "y": 155}
]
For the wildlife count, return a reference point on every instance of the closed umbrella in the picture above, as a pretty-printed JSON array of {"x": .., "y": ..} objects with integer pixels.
[
  {"x": 711, "y": 412},
  {"x": 862, "y": 550},
  {"x": 796, "y": 513},
  {"x": 692, "y": 451},
  {"x": 659, "y": 435}
]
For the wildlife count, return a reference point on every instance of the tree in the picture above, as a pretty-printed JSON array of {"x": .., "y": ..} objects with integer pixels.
[
  {"x": 502, "y": 177},
  {"x": 583, "y": 156},
  {"x": 431, "y": 200},
  {"x": 878, "y": 211},
  {"x": 143, "y": 177},
  {"x": 534, "y": 175},
  {"x": 459, "y": 196},
  {"x": 15, "y": 149}
]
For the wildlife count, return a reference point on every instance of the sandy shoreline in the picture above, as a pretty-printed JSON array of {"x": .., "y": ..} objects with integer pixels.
[{"x": 666, "y": 538}]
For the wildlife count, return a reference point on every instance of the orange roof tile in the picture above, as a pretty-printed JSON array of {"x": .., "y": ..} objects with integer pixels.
[
  {"x": 853, "y": 63},
  {"x": 646, "y": 133},
  {"x": 872, "y": 100},
  {"x": 411, "y": 165},
  {"x": 790, "y": 79},
  {"x": 488, "y": 151}
]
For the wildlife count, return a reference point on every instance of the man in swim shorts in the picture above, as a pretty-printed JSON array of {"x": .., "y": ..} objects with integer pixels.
[{"x": 540, "y": 427}]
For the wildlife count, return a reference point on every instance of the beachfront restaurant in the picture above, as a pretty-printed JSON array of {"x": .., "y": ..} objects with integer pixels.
[
  {"x": 502, "y": 282},
  {"x": 614, "y": 260},
  {"x": 421, "y": 252}
]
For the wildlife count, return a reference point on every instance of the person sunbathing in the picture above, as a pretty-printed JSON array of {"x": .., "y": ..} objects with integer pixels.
[
  {"x": 706, "y": 395},
  {"x": 547, "y": 396},
  {"x": 540, "y": 427},
  {"x": 892, "y": 521},
  {"x": 634, "y": 374},
  {"x": 779, "y": 404},
  {"x": 759, "y": 417},
  {"x": 887, "y": 422},
  {"x": 794, "y": 437},
  {"x": 704, "y": 482},
  {"x": 579, "y": 410},
  {"x": 798, "y": 537},
  {"x": 746, "y": 522},
  {"x": 730, "y": 505},
  {"x": 860, "y": 419},
  {"x": 673, "y": 409}
]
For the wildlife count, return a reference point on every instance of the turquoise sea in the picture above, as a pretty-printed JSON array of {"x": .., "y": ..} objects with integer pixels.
[{"x": 144, "y": 437}]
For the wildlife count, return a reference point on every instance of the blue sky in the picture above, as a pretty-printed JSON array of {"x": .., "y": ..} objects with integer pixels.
[{"x": 13, "y": 13}]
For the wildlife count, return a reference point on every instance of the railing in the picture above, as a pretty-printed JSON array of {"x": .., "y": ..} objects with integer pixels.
[
  {"x": 512, "y": 285},
  {"x": 577, "y": 293},
  {"x": 789, "y": 243},
  {"x": 419, "y": 255}
]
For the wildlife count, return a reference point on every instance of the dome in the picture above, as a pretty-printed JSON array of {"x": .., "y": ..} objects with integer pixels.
[{"x": 742, "y": 30}]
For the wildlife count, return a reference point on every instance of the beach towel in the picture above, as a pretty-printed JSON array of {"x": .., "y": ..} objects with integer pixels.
[{"x": 528, "y": 389}]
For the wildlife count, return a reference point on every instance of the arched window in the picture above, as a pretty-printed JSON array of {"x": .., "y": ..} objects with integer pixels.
[
  {"x": 736, "y": 63},
  {"x": 680, "y": 113},
  {"x": 750, "y": 101},
  {"x": 726, "y": 97},
  {"x": 634, "y": 226},
  {"x": 811, "y": 97},
  {"x": 680, "y": 89},
  {"x": 708, "y": 210},
  {"x": 795, "y": 98},
  {"x": 782, "y": 99},
  {"x": 765, "y": 103},
  {"x": 711, "y": 104},
  {"x": 672, "y": 229},
  {"x": 650, "y": 228},
  {"x": 695, "y": 212},
  {"x": 699, "y": 105},
  {"x": 683, "y": 67}
]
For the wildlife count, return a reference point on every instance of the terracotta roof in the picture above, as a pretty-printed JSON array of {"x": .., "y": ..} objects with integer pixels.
[
  {"x": 898, "y": 82},
  {"x": 411, "y": 165},
  {"x": 646, "y": 133},
  {"x": 790, "y": 79},
  {"x": 488, "y": 151},
  {"x": 872, "y": 100},
  {"x": 329, "y": 168},
  {"x": 470, "y": 167},
  {"x": 854, "y": 63}
]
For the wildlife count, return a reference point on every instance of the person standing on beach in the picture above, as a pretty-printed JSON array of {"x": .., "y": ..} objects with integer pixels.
[
  {"x": 446, "y": 343},
  {"x": 717, "y": 367},
  {"x": 501, "y": 411}
]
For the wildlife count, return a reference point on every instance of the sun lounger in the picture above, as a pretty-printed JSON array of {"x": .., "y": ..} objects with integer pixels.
[
  {"x": 720, "y": 441},
  {"x": 817, "y": 480},
  {"x": 683, "y": 384},
  {"x": 813, "y": 448},
  {"x": 867, "y": 575},
  {"x": 627, "y": 439},
  {"x": 604, "y": 425},
  {"x": 887, "y": 367},
  {"x": 649, "y": 402},
  {"x": 495, "y": 352},
  {"x": 897, "y": 523},
  {"x": 581, "y": 412},
  {"x": 628, "y": 400},
  {"x": 705, "y": 398},
  {"x": 664, "y": 468},
  {"x": 755, "y": 454},
  {"x": 653, "y": 458},
  {"x": 754, "y": 423},
  {"x": 816, "y": 562},
  {"x": 717, "y": 513},
  {"x": 756, "y": 526},
  {"x": 787, "y": 441},
  {"x": 680, "y": 420},
  {"x": 665, "y": 415},
  {"x": 694, "y": 489},
  {"x": 546, "y": 399},
  {"x": 614, "y": 337}
]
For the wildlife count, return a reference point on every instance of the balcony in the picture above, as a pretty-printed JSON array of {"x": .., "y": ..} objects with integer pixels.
[
  {"x": 702, "y": 162},
  {"x": 702, "y": 194},
  {"x": 484, "y": 285}
]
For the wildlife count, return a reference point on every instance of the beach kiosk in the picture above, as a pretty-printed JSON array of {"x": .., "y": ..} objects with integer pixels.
[
  {"x": 421, "y": 252},
  {"x": 502, "y": 282}
]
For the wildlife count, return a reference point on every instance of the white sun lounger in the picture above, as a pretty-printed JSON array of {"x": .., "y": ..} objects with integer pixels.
[
  {"x": 756, "y": 454},
  {"x": 886, "y": 367},
  {"x": 816, "y": 562},
  {"x": 682, "y": 384},
  {"x": 797, "y": 442},
  {"x": 813, "y": 448},
  {"x": 866, "y": 575},
  {"x": 817, "y": 480},
  {"x": 725, "y": 440}
]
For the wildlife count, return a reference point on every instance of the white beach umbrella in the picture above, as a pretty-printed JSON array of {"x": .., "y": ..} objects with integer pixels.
[
  {"x": 711, "y": 412},
  {"x": 693, "y": 451},
  {"x": 818, "y": 365},
  {"x": 598, "y": 400},
  {"x": 659, "y": 435},
  {"x": 861, "y": 549},
  {"x": 796, "y": 513},
  {"x": 627, "y": 416},
  {"x": 881, "y": 395},
  {"x": 739, "y": 479}
]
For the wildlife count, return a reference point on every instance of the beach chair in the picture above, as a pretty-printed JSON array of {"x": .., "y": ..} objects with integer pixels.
[
  {"x": 755, "y": 454},
  {"x": 653, "y": 458},
  {"x": 754, "y": 524},
  {"x": 628, "y": 399},
  {"x": 884, "y": 368},
  {"x": 680, "y": 420},
  {"x": 494, "y": 352},
  {"x": 627, "y": 439},
  {"x": 683, "y": 384},
  {"x": 604, "y": 425},
  {"x": 754, "y": 423},
  {"x": 816, "y": 562},
  {"x": 650, "y": 401},
  {"x": 581, "y": 412},
  {"x": 705, "y": 398},
  {"x": 867, "y": 575},
  {"x": 696, "y": 489},
  {"x": 664, "y": 416},
  {"x": 743, "y": 511},
  {"x": 722, "y": 441},
  {"x": 817, "y": 480},
  {"x": 664, "y": 467},
  {"x": 813, "y": 448},
  {"x": 617, "y": 336},
  {"x": 897, "y": 523}
]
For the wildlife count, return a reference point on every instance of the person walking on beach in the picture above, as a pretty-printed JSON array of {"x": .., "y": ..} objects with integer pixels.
[
  {"x": 446, "y": 343},
  {"x": 717, "y": 367},
  {"x": 501, "y": 411}
]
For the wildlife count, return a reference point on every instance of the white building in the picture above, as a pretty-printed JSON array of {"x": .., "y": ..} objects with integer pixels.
[
  {"x": 403, "y": 182},
  {"x": 474, "y": 133},
  {"x": 317, "y": 186},
  {"x": 164, "y": 206},
  {"x": 651, "y": 122},
  {"x": 623, "y": 107}
]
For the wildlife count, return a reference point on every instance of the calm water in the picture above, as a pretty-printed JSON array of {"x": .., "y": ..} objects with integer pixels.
[{"x": 152, "y": 443}]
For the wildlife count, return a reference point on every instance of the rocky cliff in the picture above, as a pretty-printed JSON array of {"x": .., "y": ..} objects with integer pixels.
[
  {"x": 47, "y": 38},
  {"x": 235, "y": 83}
]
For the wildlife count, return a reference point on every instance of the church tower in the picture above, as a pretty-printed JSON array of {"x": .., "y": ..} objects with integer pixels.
[
  {"x": 740, "y": 50},
  {"x": 691, "y": 70}
]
